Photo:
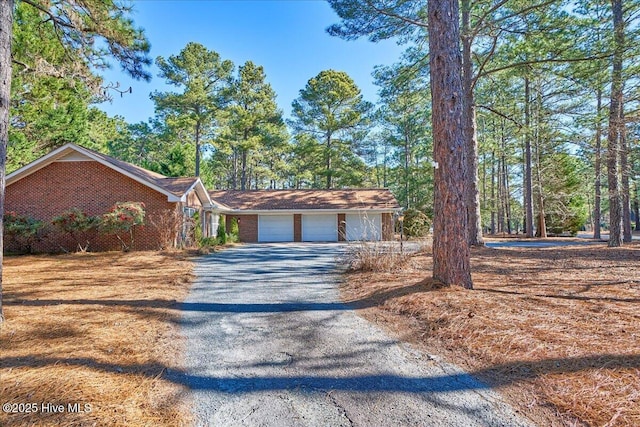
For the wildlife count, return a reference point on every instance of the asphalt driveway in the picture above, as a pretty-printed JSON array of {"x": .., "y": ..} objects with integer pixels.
[{"x": 270, "y": 344}]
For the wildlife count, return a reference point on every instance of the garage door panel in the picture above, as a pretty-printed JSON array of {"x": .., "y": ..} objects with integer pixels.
[
  {"x": 320, "y": 228},
  {"x": 275, "y": 228},
  {"x": 364, "y": 226}
]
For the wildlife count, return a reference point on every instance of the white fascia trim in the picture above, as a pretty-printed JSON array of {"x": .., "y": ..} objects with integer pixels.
[
  {"x": 309, "y": 211},
  {"x": 200, "y": 190},
  {"x": 59, "y": 152},
  {"x": 38, "y": 164}
]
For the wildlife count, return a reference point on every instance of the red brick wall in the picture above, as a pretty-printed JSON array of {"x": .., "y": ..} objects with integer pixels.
[
  {"x": 247, "y": 225},
  {"x": 89, "y": 186},
  {"x": 297, "y": 228},
  {"x": 387, "y": 226}
]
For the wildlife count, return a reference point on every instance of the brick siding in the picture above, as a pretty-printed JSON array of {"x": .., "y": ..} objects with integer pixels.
[
  {"x": 89, "y": 186},
  {"x": 247, "y": 226},
  {"x": 297, "y": 228}
]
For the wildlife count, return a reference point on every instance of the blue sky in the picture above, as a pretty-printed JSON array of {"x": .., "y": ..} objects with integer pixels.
[{"x": 286, "y": 37}]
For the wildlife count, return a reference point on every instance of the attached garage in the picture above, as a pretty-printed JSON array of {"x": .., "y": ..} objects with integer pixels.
[
  {"x": 367, "y": 226},
  {"x": 300, "y": 215},
  {"x": 275, "y": 228},
  {"x": 320, "y": 228}
]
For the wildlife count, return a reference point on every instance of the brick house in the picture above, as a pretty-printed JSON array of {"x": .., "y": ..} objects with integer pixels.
[
  {"x": 76, "y": 177},
  {"x": 310, "y": 215}
]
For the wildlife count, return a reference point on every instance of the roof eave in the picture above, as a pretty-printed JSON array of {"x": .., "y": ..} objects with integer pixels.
[
  {"x": 47, "y": 159},
  {"x": 311, "y": 211}
]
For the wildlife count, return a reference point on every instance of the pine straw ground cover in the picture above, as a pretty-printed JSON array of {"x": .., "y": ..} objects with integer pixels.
[
  {"x": 556, "y": 330},
  {"x": 95, "y": 329}
]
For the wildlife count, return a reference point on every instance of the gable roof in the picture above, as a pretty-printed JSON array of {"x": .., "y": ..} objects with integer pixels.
[
  {"x": 175, "y": 189},
  {"x": 378, "y": 199}
]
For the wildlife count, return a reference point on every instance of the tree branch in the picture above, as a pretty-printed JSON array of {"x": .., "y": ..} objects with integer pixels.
[
  {"x": 542, "y": 61},
  {"x": 484, "y": 63},
  {"x": 396, "y": 16},
  {"x": 56, "y": 20},
  {"x": 479, "y": 24},
  {"x": 494, "y": 111}
]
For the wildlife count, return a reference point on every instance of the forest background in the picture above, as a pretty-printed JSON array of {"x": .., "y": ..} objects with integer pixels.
[{"x": 539, "y": 75}]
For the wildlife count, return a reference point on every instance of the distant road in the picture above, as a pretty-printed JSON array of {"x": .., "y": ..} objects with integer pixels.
[
  {"x": 538, "y": 243},
  {"x": 586, "y": 238}
]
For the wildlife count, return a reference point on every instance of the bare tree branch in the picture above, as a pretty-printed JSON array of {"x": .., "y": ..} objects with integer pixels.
[
  {"x": 390, "y": 14},
  {"x": 494, "y": 111},
  {"x": 543, "y": 61}
]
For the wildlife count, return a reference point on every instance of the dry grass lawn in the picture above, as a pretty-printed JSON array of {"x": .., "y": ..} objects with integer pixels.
[
  {"x": 96, "y": 329},
  {"x": 557, "y": 330}
]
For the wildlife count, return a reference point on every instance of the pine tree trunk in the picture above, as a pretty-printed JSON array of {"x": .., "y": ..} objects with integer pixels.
[
  {"x": 636, "y": 212},
  {"x": 6, "y": 26},
  {"x": 493, "y": 192},
  {"x": 528, "y": 182},
  {"x": 406, "y": 172},
  {"x": 197, "y": 148},
  {"x": 507, "y": 195},
  {"x": 470, "y": 134},
  {"x": 234, "y": 175},
  {"x": 615, "y": 205},
  {"x": 329, "y": 165},
  {"x": 451, "y": 255},
  {"x": 624, "y": 167},
  {"x": 243, "y": 172},
  {"x": 597, "y": 210},
  {"x": 500, "y": 201},
  {"x": 541, "y": 227}
]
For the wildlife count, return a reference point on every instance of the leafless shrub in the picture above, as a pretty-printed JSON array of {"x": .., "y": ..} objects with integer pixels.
[
  {"x": 376, "y": 256},
  {"x": 169, "y": 225}
]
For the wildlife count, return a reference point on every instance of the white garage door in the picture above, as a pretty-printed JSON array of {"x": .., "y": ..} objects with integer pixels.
[
  {"x": 364, "y": 226},
  {"x": 275, "y": 228},
  {"x": 320, "y": 228}
]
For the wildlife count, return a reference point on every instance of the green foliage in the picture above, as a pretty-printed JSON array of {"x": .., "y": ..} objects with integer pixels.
[
  {"x": 203, "y": 78},
  {"x": 57, "y": 51},
  {"x": 22, "y": 231},
  {"x": 221, "y": 232},
  {"x": 197, "y": 227},
  {"x": 208, "y": 242},
  {"x": 330, "y": 120},
  {"x": 122, "y": 219},
  {"x": 68, "y": 39},
  {"x": 77, "y": 224},
  {"x": 234, "y": 231},
  {"x": 253, "y": 136},
  {"x": 406, "y": 140},
  {"x": 416, "y": 223},
  {"x": 75, "y": 220},
  {"x": 566, "y": 203}
]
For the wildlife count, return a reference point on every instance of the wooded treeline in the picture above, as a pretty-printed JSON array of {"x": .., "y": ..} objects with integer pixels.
[{"x": 549, "y": 146}]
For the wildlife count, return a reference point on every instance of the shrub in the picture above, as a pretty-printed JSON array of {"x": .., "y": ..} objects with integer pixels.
[
  {"x": 78, "y": 225},
  {"x": 416, "y": 223},
  {"x": 22, "y": 230},
  {"x": 168, "y": 224},
  {"x": 376, "y": 257},
  {"x": 122, "y": 220},
  {"x": 221, "y": 233},
  {"x": 234, "y": 232},
  {"x": 197, "y": 228}
]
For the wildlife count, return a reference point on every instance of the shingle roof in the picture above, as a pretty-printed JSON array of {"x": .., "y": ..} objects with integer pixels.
[
  {"x": 352, "y": 199},
  {"x": 176, "y": 186}
]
